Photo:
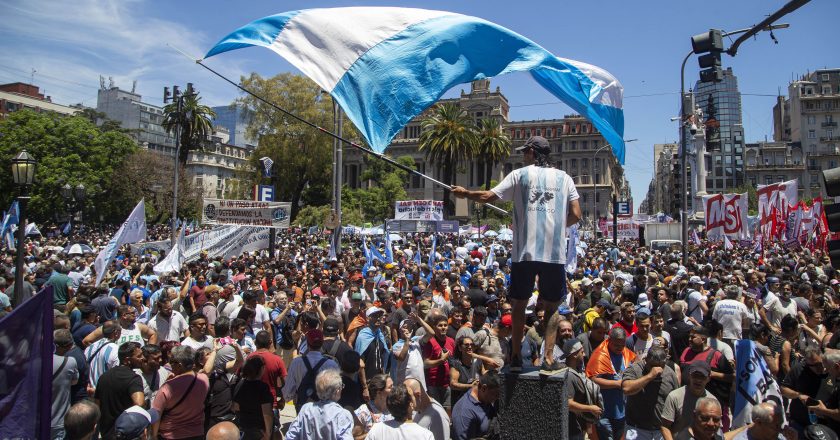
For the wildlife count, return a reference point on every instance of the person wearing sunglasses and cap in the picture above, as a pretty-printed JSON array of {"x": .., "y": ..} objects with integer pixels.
[{"x": 545, "y": 203}]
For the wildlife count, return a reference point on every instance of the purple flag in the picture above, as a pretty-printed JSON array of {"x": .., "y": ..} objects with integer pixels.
[{"x": 26, "y": 348}]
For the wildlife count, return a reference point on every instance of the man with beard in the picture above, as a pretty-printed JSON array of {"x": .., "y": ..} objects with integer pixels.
[
  {"x": 647, "y": 384},
  {"x": 168, "y": 326},
  {"x": 594, "y": 337},
  {"x": 776, "y": 306},
  {"x": 131, "y": 331}
]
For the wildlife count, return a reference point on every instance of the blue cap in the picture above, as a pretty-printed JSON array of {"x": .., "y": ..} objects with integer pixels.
[
  {"x": 772, "y": 280},
  {"x": 563, "y": 310},
  {"x": 603, "y": 303}
]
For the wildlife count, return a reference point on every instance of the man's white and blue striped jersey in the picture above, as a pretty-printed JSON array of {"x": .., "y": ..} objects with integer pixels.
[
  {"x": 101, "y": 356},
  {"x": 541, "y": 197}
]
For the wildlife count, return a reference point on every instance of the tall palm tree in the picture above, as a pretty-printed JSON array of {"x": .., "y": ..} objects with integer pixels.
[
  {"x": 493, "y": 146},
  {"x": 194, "y": 120},
  {"x": 449, "y": 139}
]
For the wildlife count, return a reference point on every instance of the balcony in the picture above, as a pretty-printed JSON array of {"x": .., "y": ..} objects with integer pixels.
[
  {"x": 772, "y": 166},
  {"x": 829, "y": 138},
  {"x": 828, "y": 124}
]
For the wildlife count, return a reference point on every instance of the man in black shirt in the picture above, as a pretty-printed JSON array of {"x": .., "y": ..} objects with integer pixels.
[
  {"x": 828, "y": 396},
  {"x": 333, "y": 346},
  {"x": 646, "y": 384},
  {"x": 584, "y": 407},
  {"x": 678, "y": 329},
  {"x": 804, "y": 382},
  {"x": 120, "y": 388}
]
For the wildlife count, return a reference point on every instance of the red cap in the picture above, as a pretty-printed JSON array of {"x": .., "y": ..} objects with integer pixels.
[
  {"x": 507, "y": 321},
  {"x": 315, "y": 338}
]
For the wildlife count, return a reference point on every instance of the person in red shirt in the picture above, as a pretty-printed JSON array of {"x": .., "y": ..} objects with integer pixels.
[
  {"x": 628, "y": 318},
  {"x": 197, "y": 295},
  {"x": 436, "y": 348},
  {"x": 274, "y": 374}
]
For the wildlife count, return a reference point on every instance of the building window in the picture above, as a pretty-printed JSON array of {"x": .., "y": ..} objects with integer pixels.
[
  {"x": 573, "y": 164},
  {"x": 812, "y": 134},
  {"x": 824, "y": 77},
  {"x": 573, "y": 145},
  {"x": 826, "y": 90}
]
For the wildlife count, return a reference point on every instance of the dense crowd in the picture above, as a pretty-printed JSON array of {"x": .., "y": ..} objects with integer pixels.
[{"x": 403, "y": 350}]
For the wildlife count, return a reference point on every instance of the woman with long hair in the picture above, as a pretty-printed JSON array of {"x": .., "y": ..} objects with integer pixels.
[{"x": 376, "y": 409}]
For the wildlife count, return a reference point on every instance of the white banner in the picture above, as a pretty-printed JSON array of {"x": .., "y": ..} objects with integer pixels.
[
  {"x": 627, "y": 230},
  {"x": 726, "y": 215},
  {"x": 774, "y": 201},
  {"x": 246, "y": 213},
  {"x": 174, "y": 259},
  {"x": 418, "y": 210},
  {"x": 132, "y": 231},
  {"x": 150, "y": 247},
  {"x": 224, "y": 241}
]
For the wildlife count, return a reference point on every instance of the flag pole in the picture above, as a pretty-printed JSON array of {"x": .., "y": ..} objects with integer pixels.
[{"x": 328, "y": 132}]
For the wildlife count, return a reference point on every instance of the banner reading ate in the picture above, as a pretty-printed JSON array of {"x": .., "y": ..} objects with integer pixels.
[{"x": 418, "y": 210}]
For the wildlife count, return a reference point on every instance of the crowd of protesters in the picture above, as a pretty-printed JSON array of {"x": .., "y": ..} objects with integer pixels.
[{"x": 404, "y": 350}]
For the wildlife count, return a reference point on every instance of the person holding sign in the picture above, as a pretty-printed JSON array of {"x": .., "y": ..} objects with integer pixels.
[{"x": 545, "y": 203}]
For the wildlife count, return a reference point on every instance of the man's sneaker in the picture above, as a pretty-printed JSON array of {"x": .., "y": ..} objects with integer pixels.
[
  {"x": 515, "y": 364},
  {"x": 549, "y": 369}
]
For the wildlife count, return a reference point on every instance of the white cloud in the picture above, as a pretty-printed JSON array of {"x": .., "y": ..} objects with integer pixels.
[{"x": 70, "y": 44}]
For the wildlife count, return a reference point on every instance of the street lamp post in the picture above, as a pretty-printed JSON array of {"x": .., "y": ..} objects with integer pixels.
[
  {"x": 595, "y": 192},
  {"x": 23, "y": 174},
  {"x": 74, "y": 199}
]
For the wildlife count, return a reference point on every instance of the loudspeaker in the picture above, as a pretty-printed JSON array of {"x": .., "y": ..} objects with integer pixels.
[{"x": 534, "y": 407}]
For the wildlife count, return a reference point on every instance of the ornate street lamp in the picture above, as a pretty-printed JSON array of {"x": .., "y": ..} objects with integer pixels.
[{"x": 23, "y": 174}]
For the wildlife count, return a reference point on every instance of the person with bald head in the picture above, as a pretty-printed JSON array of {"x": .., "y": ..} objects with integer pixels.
[
  {"x": 223, "y": 431},
  {"x": 429, "y": 413},
  {"x": 767, "y": 420}
]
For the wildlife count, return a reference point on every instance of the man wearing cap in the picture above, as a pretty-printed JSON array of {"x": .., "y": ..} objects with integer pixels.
[
  {"x": 585, "y": 404},
  {"x": 598, "y": 311},
  {"x": 135, "y": 422},
  {"x": 696, "y": 299},
  {"x": 647, "y": 384},
  {"x": 545, "y": 204},
  {"x": 310, "y": 363},
  {"x": 678, "y": 412},
  {"x": 372, "y": 343}
]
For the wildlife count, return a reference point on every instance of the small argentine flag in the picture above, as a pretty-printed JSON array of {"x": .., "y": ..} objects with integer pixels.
[{"x": 266, "y": 163}]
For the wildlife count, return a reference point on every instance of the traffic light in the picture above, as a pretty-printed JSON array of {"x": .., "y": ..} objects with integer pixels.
[
  {"x": 709, "y": 46},
  {"x": 831, "y": 181}
]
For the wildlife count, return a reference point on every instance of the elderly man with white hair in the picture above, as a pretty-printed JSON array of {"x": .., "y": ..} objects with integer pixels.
[{"x": 324, "y": 419}]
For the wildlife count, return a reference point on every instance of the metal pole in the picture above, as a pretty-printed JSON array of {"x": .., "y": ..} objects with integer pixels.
[
  {"x": 174, "y": 232},
  {"x": 23, "y": 199},
  {"x": 595, "y": 193},
  {"x": 684, "y": 163},
  {"x": 338, "y": 178},
  {"x": 615, "y": 219}
]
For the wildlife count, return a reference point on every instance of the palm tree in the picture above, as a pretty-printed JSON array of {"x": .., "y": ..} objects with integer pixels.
[
  {"x": 493, "y": 146},
  {"x": 194, "y": 119},
  {"x": 449, "y": 139}
]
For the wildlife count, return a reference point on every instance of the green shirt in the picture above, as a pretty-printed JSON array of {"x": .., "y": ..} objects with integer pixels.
[{"x": 60, "y": 283}]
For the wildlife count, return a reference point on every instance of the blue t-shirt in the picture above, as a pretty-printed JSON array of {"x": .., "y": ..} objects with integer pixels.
[{"x": 614, "y": 397}]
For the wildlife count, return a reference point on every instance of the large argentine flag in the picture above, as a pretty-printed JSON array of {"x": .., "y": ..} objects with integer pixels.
[{"x": 384, "y": 66}]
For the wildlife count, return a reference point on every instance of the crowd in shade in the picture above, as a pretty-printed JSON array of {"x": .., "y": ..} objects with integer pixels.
[{"x": 297, "y": 345}]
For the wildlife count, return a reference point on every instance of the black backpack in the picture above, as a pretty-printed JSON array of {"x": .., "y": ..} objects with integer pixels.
[
  {"x": 306, "y": 390},
  {"x": 219, "y": 398},
  {"x": 287, "y": 341}
]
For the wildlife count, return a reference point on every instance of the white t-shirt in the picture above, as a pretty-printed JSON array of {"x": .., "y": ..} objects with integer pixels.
[
  {"x": 775, "y": 309},
  {"x": 261, "y": 316},
  {"x": 435, "y": 419},
  {"x": 541, "y": 197},
  {"x": 195, "y": 345},
  {"x": 638, "y": 345},
  {"x": 694, "y": 309},
  {"x": 169, "y": 330},
  {"x": 393, "y": 430},
  {"x": 731, "y": 313},
  {"x": 412, "y": 365}
]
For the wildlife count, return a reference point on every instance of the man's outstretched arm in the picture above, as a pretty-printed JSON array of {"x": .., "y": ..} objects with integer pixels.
[{"x": 478, "y": 196}]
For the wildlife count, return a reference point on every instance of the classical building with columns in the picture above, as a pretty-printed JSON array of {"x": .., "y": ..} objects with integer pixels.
[{"x": 576, "y": 147}]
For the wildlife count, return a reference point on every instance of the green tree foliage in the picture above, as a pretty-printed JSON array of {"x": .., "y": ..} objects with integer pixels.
[
  {"x": 752, "y": 195},
  {"x": 68, "y": 150},
  {"x": 376, "y": 204},
  {"x": 302, "y": 155},
  {"x": 449, "y": 139},
  {"x": 493, "y": 146},
  {"x": 194, "y": 120}
]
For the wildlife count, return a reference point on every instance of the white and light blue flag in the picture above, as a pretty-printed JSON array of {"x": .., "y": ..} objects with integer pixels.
[
  {"x": 132, "y": 231},
  {"x": 386, "y": 65},
  {"x": 754, "y": 383}
]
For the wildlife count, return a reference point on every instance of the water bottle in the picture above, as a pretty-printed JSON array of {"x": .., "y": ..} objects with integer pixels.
[{"x": 812, "y": 417}]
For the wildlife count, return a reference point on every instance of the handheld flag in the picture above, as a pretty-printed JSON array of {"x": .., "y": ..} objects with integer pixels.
[
  {"x": 67, "y": 228},
  {"x": 754, "y": 383},
  {"x": 389, "y": 250},
  {"x": 571, "y": 249},
  {"x": 416, "y": 258},
  {"x": 386, "y": 65},
  {"x": 432, "y": 253},
  {"x": 132, "y": 231}
]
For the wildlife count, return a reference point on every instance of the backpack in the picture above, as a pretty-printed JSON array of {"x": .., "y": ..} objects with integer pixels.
[
  {"x": 285, "y": 329},
  {"x": 684, "y": 369},
  {"x": 219, "y": 398},
  {"x": 306, "y": 389}
]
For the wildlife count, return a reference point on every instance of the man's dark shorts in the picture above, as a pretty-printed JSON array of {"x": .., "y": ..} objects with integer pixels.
[{"x": 552, "y": 281}]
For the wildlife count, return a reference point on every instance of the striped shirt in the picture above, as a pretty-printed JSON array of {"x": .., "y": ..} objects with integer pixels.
[
  {"x": 101, "y": 356},
  {"x": 541, "y": 197}
]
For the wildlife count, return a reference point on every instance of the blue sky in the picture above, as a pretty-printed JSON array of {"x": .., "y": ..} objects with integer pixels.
[{"x": 70, "y": 44}]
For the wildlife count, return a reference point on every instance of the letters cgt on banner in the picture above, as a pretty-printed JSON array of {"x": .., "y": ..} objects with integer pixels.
[
  {"x": 726, "y": 214},
  {"x": 246, "y": 213}
]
